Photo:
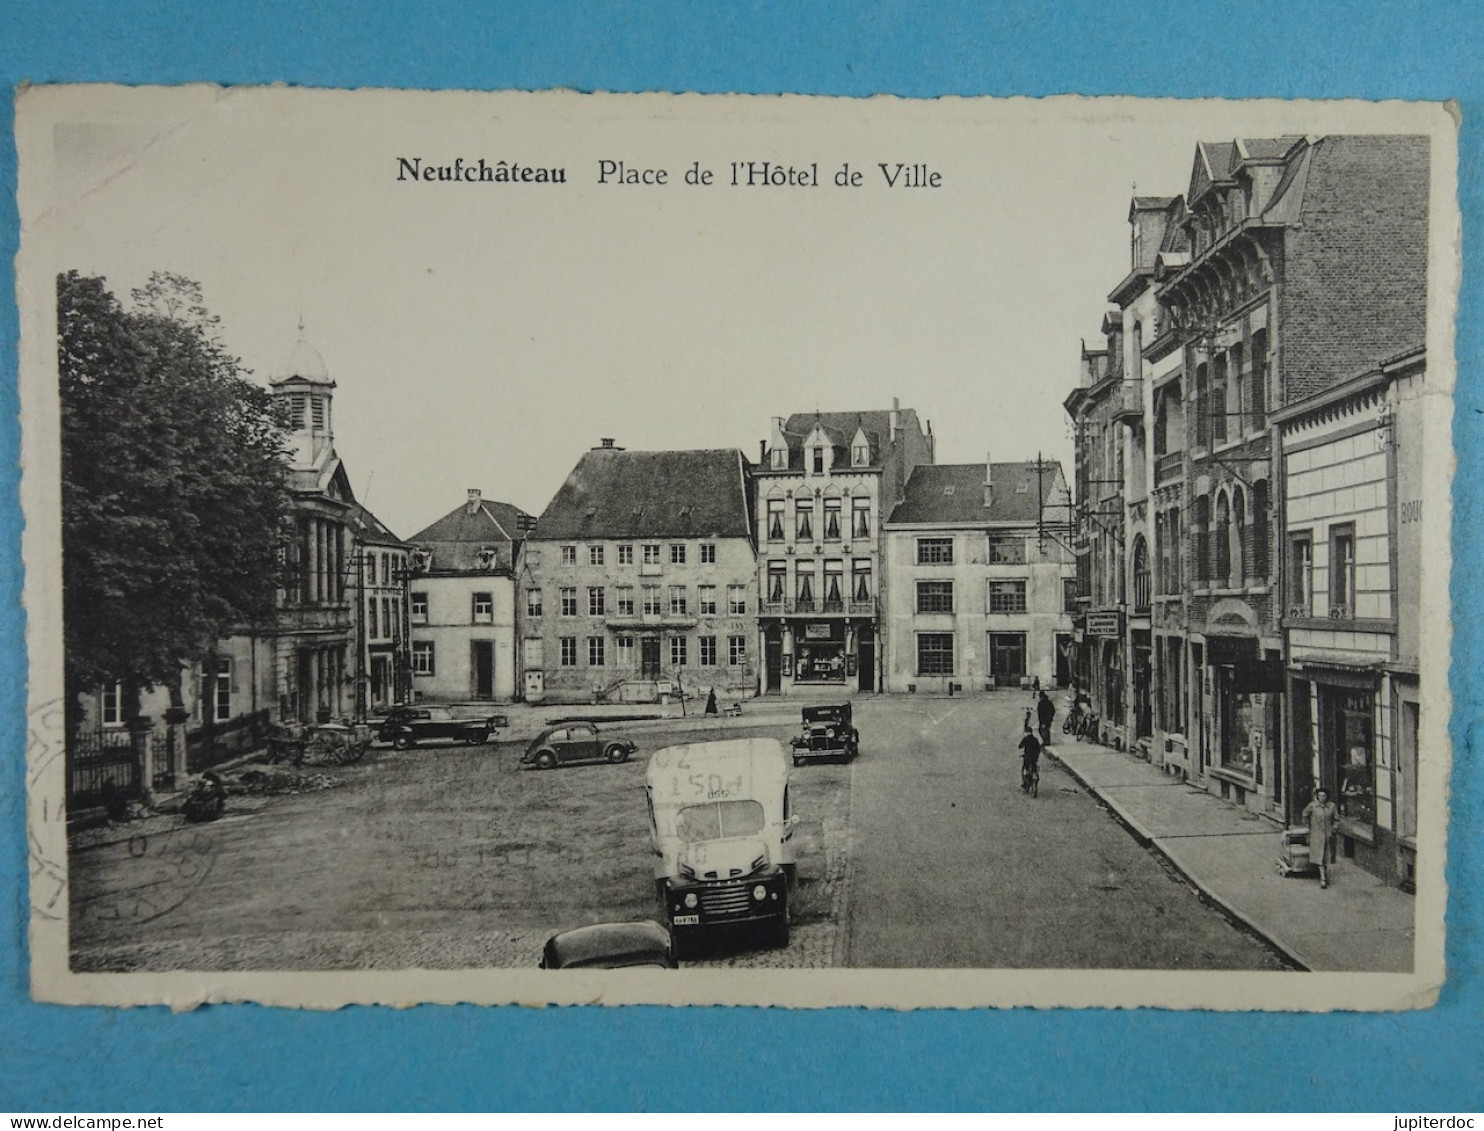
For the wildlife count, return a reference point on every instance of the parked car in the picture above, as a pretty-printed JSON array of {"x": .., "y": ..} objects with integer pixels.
[
  {"x": 609, "y": 946},
  {"x": 826, "y": 732},
  {"x": 575, "y": 742},
  {"x": 409, "y": 726}
]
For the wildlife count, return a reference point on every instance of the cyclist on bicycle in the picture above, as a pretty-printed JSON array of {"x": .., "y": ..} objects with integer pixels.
[{"x": 1030, "y": 757}]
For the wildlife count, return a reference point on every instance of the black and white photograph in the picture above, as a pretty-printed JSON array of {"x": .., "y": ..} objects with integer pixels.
[{"x": 686, "y": 549}]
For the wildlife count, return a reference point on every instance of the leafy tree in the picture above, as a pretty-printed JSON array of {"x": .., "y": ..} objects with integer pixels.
[{"x": 173, "y": 494}]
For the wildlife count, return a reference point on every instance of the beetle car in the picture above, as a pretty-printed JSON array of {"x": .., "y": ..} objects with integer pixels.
[
  {"x": 410, "y": 726},
  {"x": 575, "y": 742},
  {"x": 826, "y": 732},
  {"x": 609, "y": 946}
]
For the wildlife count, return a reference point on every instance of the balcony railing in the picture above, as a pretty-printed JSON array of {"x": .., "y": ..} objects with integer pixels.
[
  {"x": 1168, "y": 468},
  {"x": 865, "y": 608}
]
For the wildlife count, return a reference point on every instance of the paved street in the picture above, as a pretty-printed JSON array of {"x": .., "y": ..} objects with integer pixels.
[{"x": 924, "y": 853}]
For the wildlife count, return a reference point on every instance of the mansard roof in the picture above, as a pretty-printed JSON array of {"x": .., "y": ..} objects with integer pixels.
[
  {"x": 841, "y": 428},
  {"x": 953, "y": 493},
  {"x": 617, "y": 494},
  {"x": 370, "y": 529},
  {"x": 456, "y": 539}
]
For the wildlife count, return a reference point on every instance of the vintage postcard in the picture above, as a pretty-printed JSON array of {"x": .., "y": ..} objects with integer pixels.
[{"x": 556, "y": 548}]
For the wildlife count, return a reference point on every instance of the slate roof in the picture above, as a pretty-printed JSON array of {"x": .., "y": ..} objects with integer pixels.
[
  {"x": 619, "y": 494},
  {"x": 368, "y": 528},
  {"x": 456, "y": 539},
  {"x": 953, "y": 493},
  {"x": 841, "y": 428}
]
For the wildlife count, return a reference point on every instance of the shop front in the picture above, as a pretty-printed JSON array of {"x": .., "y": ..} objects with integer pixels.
[
  {"x": 1244, "y": 704},
  {"x": 820, "y": 654}
]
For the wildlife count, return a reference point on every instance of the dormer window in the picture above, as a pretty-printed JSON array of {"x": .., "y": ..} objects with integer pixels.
[
  {"x": 860, "y": 455},
  {"x": 818, "y": 461},
  {"x": 779, "y": 458}
]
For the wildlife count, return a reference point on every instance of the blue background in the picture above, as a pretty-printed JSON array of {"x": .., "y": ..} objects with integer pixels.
[{"x": 243, "y": 1057}]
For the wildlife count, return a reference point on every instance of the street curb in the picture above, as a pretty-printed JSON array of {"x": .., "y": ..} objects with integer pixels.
[{"x": 1147, "y": 840}]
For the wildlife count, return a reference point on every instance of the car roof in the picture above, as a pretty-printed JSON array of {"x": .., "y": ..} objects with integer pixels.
[{"x": 609, "y": 944}]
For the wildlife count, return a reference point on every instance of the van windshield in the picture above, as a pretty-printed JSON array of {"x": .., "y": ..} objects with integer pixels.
[{"x": 718, "y": 819}]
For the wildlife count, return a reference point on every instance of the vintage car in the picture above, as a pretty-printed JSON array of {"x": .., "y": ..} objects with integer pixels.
[
  {"x": 575, "y": 742},
  {"x": 609, "y": 946},
  {"x": 826, "y": 733},
  {"x": 410, "y": 726}
]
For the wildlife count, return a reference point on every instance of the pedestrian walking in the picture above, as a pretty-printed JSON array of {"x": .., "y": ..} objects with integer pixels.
[
  {"x": 711, "y": 702},
  {"x": 1045, "y": 712},
  {"x": 1320, "y": 814}
]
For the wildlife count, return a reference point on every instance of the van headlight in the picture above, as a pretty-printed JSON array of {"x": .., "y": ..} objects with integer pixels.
[
  {"x": 759, "y": 893},
  {"x": 691, "y": 900}
]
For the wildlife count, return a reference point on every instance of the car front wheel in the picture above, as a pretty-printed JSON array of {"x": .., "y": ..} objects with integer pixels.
[
  {"x": 476, "y": 738},
  {"x": 545, "y": 760},
  {"x": 617, "y": 753},
  {"x": 402, "y": 741}
]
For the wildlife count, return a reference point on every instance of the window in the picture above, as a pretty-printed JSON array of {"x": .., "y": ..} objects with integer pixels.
[
  {"x": 832, "y": 520},
  {"x": 371, "y": 569},
  {"x": 935, "y": 551},
  {"x": 1142, "y": 581},
  {"x": 1222, "y": 536},
  {"x": 1238, "y": 394},
  {"x": 860, "y": 518},
  {"x": 595, "y": 601},
  {"x": 1200, "y": 524},
  {"x": 111, "y": 705},
  {"x": 1005, "y": 549},
  {"x": 1259, "y": 382},
  {"x": 1238, "y": 539},
  {"x": 834, "y": 586},
  {"x": 568, "y": 595},
  {"x": 1068, "y": 594},
  {"x": 804, "y": 520},
  {"x": 804, "y": 586},
  {"x": 651, "y": 600},
  {"x": 595, "y": 651},
  {"x": 1173, "y": 527},
  {"x": 626, "y": 555},
  {"x": 216, "y": 689},
  {"x": 708, "y": 553},
  {"x": 818, "y": 455},
  {"x": 677, "y": 553},
  {"x": 777, "y": 578},
  {"x": 623, "y": 597},
  {"x": 706, "y": 600},
  {"x": 533, "y": 602},
  {"x": 677, "y": 601},
  {"x": 373, "y": 630},
  {"x": 1218, "y": 407},
  {"x": 708, "y": 651},
  {"x": 860, "y": 584},
  {"x": 625, "y": 646},
  {"x": 1202, "y": 406},
  {"x": 569, "y": 555},
  {"x": 389, "y": 625},
  {"x": 1301, "y": 574},
  {"x": 737, "y": 650},
  {"x": 317, "y": 411},
  {"x": 1260, "y": 531},
  {"x": 422, "y": 657},
  {"x": 1342, "y": 571},
  {"x": 420, "y": 608},
  {"x": 484, "y": 608},
  {"x": 1007, "y": 596},
  {"x": 678, "y": 651},
  {"x": 595, "y": 555},
  {"x": 935, "y": 653},
  {"x": 935, "y": 596},
  {"x": 861, "y": 455},
  {"x": 736, "y": 599},
  {"x": 569, "y": 651},
  {"x": 775, "y": 520}
]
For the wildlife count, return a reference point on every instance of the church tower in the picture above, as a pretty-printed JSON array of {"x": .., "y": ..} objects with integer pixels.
[{"x": 304, "y": 392}]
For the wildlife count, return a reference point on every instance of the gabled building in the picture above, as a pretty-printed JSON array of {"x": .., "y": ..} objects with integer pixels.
[
  {"x": 825, "y": 483},
  {"x": 639, "y": 579},
  {"x": 462, "y": 602},
  {"x": 383, "y": 655},
  {"x": 978, "y": 580}
]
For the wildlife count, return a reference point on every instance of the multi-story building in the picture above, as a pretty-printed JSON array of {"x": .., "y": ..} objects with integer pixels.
[
  {"x": 383, "y": 655},
  {"x": 462, "y": 602},
  {"x": 1352, "y": 507},
  {"x": 825, "y": 483},
  {"x": 977, "y": 581},
  {"x": 1289, "y": 265},
  {"x": 639, "y": 579}
]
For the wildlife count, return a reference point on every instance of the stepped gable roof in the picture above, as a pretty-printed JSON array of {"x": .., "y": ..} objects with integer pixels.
[
  {"x": 953, "y": 493},
  {"x": 620, "y": 494},
  {"x": 456, "y": 539},
  {"x": 368, "y": 528}
]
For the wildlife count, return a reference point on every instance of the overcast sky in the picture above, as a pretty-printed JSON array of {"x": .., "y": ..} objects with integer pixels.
[{"x": 484, "y": 335}]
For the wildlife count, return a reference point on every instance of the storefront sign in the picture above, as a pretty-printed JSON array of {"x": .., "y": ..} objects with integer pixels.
[
  {"x": 1230, "y": 649},
  {"x": 1105, "y": 624},
  {"x": 816, "y": 631},
  {"x": 1258, "y": 676}
]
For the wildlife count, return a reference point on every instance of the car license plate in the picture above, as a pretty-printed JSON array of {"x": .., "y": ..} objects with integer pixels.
[{"x": 687, "y": 920}]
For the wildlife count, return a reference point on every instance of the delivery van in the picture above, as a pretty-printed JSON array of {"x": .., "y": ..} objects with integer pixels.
[{"x": 721, "y": 831}]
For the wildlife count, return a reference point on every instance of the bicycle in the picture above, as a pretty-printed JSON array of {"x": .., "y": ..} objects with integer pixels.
[{"x": 1030, "y": 776}]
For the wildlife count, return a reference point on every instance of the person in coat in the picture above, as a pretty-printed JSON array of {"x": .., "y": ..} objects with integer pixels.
[
  {"x": 1320, "y": 815},
  {"x": 1045, "y": 712}
]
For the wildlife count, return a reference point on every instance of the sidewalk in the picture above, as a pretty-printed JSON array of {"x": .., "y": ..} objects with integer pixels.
[{"x": 1230, "y": 855}]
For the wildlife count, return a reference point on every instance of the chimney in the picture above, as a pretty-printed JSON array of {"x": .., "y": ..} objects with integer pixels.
[
  {"x": 607, "y": 441},
  {"x": 474, "y": 500},
  {"x": 988, "y": 479},
  {"x": 895, "y": 421},
  {"x": 762, "y": 452}
]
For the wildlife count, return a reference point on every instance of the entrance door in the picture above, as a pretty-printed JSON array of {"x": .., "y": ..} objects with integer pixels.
[
  {"x": 1301, "y": 758},
  {"x": 866, "y": 658},
  {"x": 381, "y": 680},
  {"x": 1007, "y": 658},
  {"x": 649, "y": 657},
  {"x": 483, "y": 663},
  {"x": 773, "y": 662}
]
